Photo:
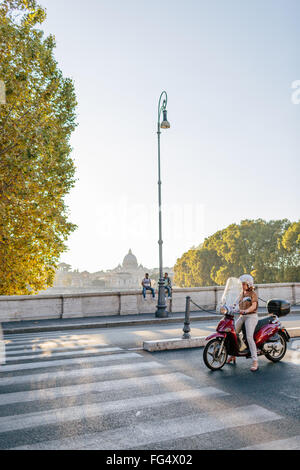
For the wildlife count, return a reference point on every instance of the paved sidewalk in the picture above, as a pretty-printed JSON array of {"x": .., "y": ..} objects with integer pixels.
[
  {"x": 107, "y": 321},
  {"x": 110, "y": 321}
]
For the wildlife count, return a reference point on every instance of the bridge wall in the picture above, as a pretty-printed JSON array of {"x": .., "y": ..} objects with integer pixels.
[{"x": 54, "y": 306}]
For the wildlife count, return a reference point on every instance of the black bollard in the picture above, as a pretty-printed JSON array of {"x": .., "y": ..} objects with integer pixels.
[{"x": 187, "y": 321}]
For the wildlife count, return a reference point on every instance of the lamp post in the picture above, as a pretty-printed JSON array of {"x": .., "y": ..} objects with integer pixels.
[{"x": 162, "y": 108}]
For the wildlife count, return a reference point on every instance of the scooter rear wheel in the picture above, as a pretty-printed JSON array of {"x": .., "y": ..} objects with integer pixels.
[
  {"x": 276, "y": 356},
  {"x": 210, "y": 354}
]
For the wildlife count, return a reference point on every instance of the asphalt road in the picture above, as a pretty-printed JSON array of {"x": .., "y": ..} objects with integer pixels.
[
  {"x": 96, "y": 389},
  {"x": 275, "y": 387},
  {"x": 134, "y": 336}
]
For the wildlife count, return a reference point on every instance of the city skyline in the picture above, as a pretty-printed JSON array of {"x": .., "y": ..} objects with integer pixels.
[
  {"x": 73, "y": 268},
  {"x": 230, "y": 70}
]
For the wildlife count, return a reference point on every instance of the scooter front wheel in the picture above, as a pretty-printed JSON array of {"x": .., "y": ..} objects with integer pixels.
[{"x": 215, "y": 358}]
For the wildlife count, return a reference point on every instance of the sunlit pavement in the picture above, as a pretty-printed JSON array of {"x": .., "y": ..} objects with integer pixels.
[
  {"x": 96, "y": 389},
  {"x": 134, "y": 336}
]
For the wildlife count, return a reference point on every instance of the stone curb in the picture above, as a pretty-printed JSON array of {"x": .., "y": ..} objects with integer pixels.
[
  {"x": 107, "y": 324},
  {"x": 194, "y": 342}
]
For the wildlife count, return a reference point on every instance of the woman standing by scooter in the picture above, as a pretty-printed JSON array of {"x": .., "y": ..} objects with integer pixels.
[{"x": 248, "y": 305}]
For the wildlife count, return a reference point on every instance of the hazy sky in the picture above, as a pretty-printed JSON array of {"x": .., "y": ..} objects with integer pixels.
[{"x": 233, "y": 148}]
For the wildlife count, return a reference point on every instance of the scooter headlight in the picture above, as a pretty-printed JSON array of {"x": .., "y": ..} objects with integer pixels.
[{"x": 224, "y": 310}]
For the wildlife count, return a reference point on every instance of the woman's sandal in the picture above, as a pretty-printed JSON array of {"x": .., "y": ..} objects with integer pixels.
[
  {"x": 231, "y": 359},
  {"x": 254, "y": 366}
]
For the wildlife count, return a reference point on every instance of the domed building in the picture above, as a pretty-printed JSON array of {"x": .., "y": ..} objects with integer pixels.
[
  {"x": 125, "y": 276},
  {"x": 130, "y": 262},
  {"x": 129, "y": 275}
]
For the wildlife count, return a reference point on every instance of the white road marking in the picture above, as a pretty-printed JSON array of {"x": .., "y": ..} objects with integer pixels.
[
  {"x": 66, "y": 362},
  {"x": 293, "y": 443},
  {"x": 79, "y": 373},
  {"x": 56, "y": 334},
  {"x": 73, "y": 413},
  {"x": 54, "y": 338},
  {"x": 108, "y": 385},
  {"x": 292, "y": 357},
  {"x": 49, "y": 344},
  {"x": 296, "y": 344},
  {"x": 48, "y": 354},
  {"x": 162, "y": 430}
]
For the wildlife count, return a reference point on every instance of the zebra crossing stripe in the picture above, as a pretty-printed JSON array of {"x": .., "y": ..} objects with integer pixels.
[
  {"x": 293, "y": 443},
  {"x": 160, "y": 431},
  {"x": 47, "y": 333},
  {"x": 66, "y": 362},
  {"x": 38, "y": 337},
  {"x": 54, "y": 345},
  {"x": 51, "y": 334},
  {"x": 48, "y": 354},
  {"x": 80, "y": 373},
  {"x": 29, "y": 341},
  {"x": 105, "y": 386},
  {"x": 73, "y": 413},
  {"x": 40, "y": 347},
  {"x": 293, "y": 357}
]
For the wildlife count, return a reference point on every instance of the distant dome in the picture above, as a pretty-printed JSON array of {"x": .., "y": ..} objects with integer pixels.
[{"x": 130, "y": 261}]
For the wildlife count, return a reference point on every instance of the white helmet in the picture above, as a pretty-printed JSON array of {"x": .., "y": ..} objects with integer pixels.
[{"x": 248, "y": 279}]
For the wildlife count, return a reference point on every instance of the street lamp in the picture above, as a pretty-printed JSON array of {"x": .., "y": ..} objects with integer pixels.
[{"x": 161, "y": 305}]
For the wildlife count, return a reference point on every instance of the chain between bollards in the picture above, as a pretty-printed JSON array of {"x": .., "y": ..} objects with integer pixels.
[{"x": 187, "y": 320}]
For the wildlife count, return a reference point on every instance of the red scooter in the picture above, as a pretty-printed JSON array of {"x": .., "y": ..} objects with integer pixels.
[{"x": 270, "y": 337}]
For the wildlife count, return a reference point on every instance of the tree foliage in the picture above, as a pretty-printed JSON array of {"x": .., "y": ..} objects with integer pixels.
[
  {"x": 270, "y": 251},
  {"x": 36, "y": 170}
]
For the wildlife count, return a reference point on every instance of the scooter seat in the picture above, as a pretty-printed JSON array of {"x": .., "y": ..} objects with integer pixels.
[
  {"x": 260, "y": 323},
  {"x": 264, "y": 321}
]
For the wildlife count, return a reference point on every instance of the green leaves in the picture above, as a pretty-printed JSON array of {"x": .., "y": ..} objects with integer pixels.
[
  {"x": 36, "y": 170},
  {"x": 270, "y": 251},
  {"x": 291, "y": 238}
]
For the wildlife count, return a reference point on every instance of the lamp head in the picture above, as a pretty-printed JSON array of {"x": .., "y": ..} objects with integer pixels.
[{"x": 165, "y": 123}]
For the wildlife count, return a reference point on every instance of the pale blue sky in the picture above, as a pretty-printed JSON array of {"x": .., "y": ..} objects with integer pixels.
[{"x": 233, "y": 148}]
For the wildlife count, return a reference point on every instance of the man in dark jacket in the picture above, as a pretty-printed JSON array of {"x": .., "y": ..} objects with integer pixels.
[{"x": 168, "y": 285}]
